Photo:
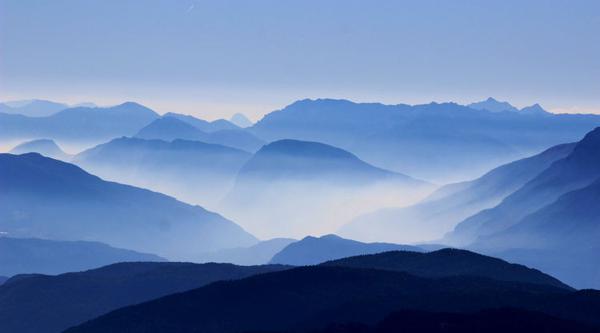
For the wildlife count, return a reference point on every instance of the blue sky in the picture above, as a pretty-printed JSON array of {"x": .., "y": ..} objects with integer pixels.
[{"x": 213, "y": 58}]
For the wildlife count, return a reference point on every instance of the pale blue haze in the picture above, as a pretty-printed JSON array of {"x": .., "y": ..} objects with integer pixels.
[{"x": 214, "y": 58}]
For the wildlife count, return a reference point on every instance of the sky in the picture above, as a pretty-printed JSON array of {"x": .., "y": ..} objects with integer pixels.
[{"x": 215, "y": 58}]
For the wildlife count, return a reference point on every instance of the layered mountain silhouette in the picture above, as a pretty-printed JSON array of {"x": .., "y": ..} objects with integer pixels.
[
  {"x": 3, "y": 279},
  {"x": 46, "y": 198},
  {"x": 577, "y": 170},
  {"x": 439, "y": 142},
  {"x": 170, "y": 128},
  {"x": 45, "y": 147},
  {"x": 560, "y": 238},
  {"x": 313, "y": 250},
  {"x": 58, "y": 302},
  {"x": 240, "y": 120},
  {"x": 193, "y": 171},
  {"x": 292, "y": 188},
  {"x": 547, "y": 222},
  {"x": 258, "y": 254},
  {"x": 312, "y": 297},
  {"x": 78, "y": 123},
  {"x": 440, "y": 212},
  {"x": 32, "y": 108},
  {"x": 29, "y": 255}
]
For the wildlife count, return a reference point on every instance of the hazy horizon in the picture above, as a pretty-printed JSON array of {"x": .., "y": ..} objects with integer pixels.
[{"x": 213, "y": 59}]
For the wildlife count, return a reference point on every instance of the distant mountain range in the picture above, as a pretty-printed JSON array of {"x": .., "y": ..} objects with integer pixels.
[
  {"x": 79, "y": 123},
  {"x": 309, "y": 185},
  {"x": 45, "y": 147},
  {"x": 493, "y": 105},
  {"x": 440, "y": 212},
  {"x": 438, "y": 142},
  {"x": 46, "y": 198},
  {"x": 311, "y": 298},
  {"x": 32, "y": 108},
  {"x": 58, "y": 302},
  {"x": 192, "y": 171},
  {"x": 172, "y": 127},
  {"x": 28, "y": 255},
  {"x": 313, "y": 250}
]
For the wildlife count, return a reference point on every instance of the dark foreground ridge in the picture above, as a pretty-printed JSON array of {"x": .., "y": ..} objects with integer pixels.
[
  {"x": 58, "y": 302},
  {"x": 313, "y": 297}
]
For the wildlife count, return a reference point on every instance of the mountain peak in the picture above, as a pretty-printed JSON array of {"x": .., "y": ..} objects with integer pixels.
[{"x": 132, "y": 105}]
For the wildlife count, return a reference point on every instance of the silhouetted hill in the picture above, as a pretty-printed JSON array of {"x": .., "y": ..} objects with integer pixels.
[
  {"x": 46, "y": 198},
  {"x": 438, "y": 142},
  {"x": 302, "y": 160},
  {"x": 315, "y": 296},
  {"x": 577, "y": 170},
  {"x": 574, "y": 218},
  {"x": 28, "y": 255},
  {"x": 170, "y": 128},
  {"x": 193, "y": 171},
  {"x": 258, "y": 254},
  {"x": 46, "y": 147},
  {"x": 203, "y": 125},
  {"x": 241, "y": 120},
  {"x": 3, "y": 279},
  {"x": 489, "y": 321},
  {"x": 313, "y": 250},
  {"x": 58, "y": 302},
  {"x": 440, "y": 212},
  {"x": 79, "y": 123},
  {"x": 32, "y": 108},
  {"x": 448, "y": 263},
  {"x": 291, "y": 188}
]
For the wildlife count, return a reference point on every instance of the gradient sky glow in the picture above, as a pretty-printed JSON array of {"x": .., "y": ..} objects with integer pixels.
[{"x": 215, "y": 58}]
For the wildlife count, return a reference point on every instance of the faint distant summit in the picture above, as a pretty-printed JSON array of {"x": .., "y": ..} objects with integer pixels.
[
  {"x": 534, "y": 109},
  {"x": 493, "y": 105},
  {"x": 32, "y": 107},
  {"x": 46, "y": 147},
  {"x": 240, "y": 120}
]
